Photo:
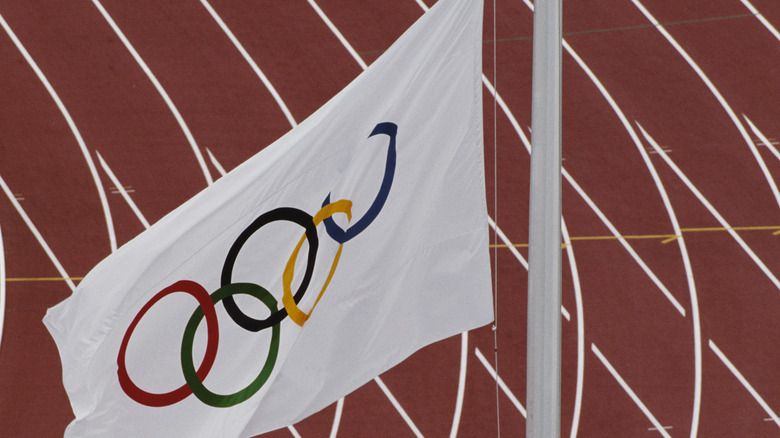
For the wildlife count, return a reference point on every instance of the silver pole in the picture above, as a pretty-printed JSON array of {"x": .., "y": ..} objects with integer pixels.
[{"x": 544, "y": 249}]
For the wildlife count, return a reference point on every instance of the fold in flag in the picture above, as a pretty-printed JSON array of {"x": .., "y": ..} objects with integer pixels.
[{"x": 327, "y": 258}]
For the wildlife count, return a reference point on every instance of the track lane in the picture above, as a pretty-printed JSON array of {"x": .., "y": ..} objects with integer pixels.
[{"x": 640, "y": 102}]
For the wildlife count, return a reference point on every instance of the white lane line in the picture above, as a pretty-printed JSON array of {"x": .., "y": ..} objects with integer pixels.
[
  {"x": 689, "y": 276},
  {"x": 575, "y": 278},
  {"x": 657, "y": 425},
  {"x": 501, "y": 383},
  {"x": 37, "y": 234},
  {"x": 714, "y": 213},
  {"x": 761, "y": 18},
  {"x": 338, "y": 34},
  {"x": 251, "y": 62},
  {"x": 769, "y": 145},
  {"x": 122, "y": 191},
  {"x": 464, "y": 351},
  {"x": 334, "y": 430},
  {"x": 423, "y": 6},
  {"x": 745, "y": 383},
  {"x": 735, "y": 120},
  {"x": 519, "y": 257},
  {"x": 216, "y": 164},
  {"x": 294, "y": 432},
  {"x": 73, "y": 129},
  {"x": 398, "y": 407},
  {"x": 182, "y": 124},
  {"x": 508, "y": 243},
  {"x": 2, "y": 285}
]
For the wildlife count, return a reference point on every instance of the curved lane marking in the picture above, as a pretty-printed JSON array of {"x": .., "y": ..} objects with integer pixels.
[
  {"x": 464, "y": 347},
  {"x": 575, "y": 277},
  {"x": 334, "y": 430},
  {"x": 734, "y": 119},
  {"x": 73, "y": 129},
  {"x": 179, "y": 119},
  {"x": 2, "y": 285},
  {"x": 689, "y": 276}
]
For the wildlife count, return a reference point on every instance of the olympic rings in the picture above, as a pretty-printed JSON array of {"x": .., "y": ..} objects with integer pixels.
[
  {"x": 177, "y": 395},
  {"x": 194, "y": 379}
]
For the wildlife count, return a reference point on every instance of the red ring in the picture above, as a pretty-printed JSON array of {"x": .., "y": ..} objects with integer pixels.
[{"x": 169, "y": 398}]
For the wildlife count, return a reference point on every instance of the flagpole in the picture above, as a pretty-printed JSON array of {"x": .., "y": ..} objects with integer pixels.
[{"x": 544, "y": 252}]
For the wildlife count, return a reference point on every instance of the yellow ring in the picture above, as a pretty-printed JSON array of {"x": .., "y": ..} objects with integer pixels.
[{"x": 296, "y": 314}]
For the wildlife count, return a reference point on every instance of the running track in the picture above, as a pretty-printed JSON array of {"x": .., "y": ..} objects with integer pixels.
[{"x": 670, "y": 129}]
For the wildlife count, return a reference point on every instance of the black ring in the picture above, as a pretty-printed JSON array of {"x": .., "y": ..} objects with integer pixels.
[{"x": 290, "y": 214}]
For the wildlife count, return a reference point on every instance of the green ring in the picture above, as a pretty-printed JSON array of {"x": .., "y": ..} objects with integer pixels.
[{"x": 194, "y": 382}]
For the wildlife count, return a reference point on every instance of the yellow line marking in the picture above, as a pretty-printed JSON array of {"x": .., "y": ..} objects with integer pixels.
[
  {"x": 44, "y": 279},
  {"x": 771, "y": 227},
  {"x": 671, "y": 239},
  {"x": 666, "y": 238},
  {"x": 648, "y": 236},
  {"x": 516, "y": 245}
]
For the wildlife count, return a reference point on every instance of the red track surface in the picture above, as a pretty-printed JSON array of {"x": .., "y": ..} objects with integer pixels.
[{"x": 229, "y": 111}]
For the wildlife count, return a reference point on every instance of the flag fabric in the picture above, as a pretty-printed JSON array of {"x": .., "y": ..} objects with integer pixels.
[{"x": 324, "y": 260}]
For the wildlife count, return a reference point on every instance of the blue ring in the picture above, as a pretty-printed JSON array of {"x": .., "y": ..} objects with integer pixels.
[{"x": 342, "y": 236}]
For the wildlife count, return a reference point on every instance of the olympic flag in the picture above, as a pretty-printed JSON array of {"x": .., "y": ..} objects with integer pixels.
[{"x": 373, "y": 210}]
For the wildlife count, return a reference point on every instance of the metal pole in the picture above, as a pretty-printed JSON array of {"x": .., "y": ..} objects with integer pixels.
[{"x": 544, "y": 252}]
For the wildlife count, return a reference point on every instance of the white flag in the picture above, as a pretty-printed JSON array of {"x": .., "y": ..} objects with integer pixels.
[{"x": 373, "y": 210}]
